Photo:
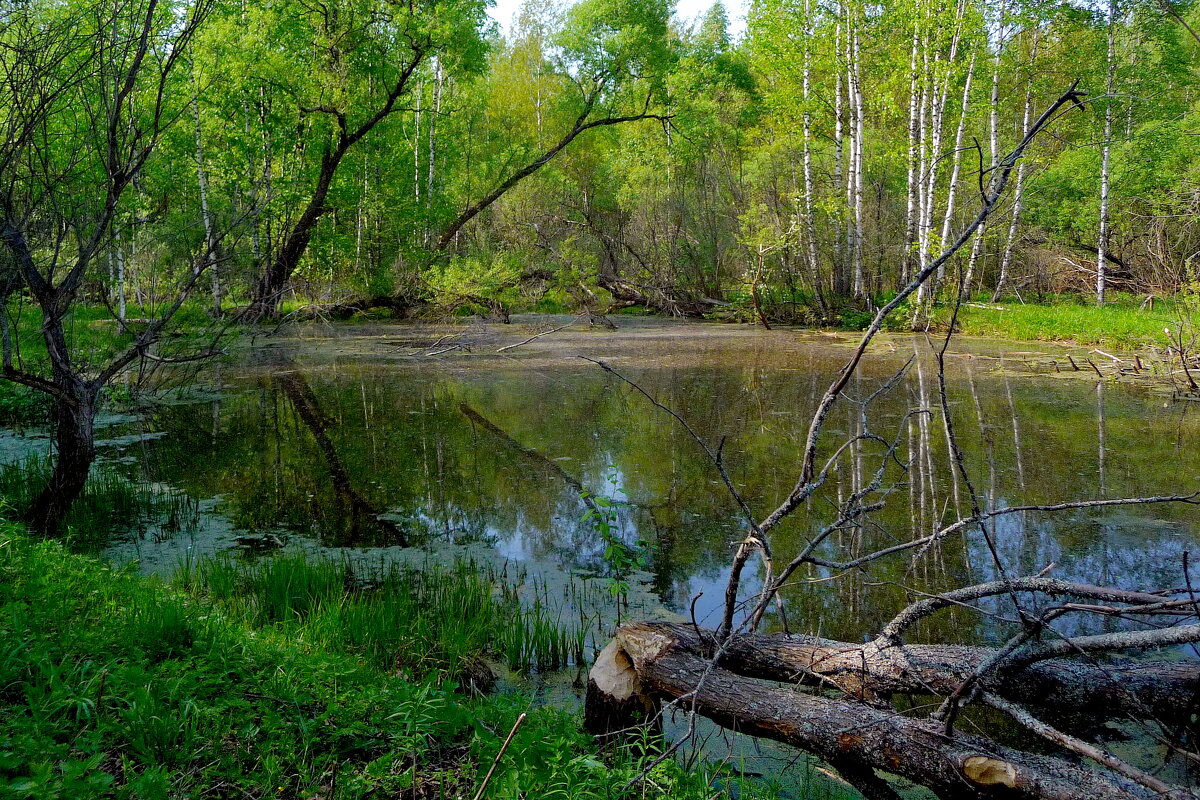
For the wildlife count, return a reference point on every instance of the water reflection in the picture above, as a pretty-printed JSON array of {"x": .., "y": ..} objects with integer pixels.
[{"x": 342, "y": 440}]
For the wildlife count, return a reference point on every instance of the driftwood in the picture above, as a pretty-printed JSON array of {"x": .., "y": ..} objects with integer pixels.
[
  {"x": 667, "y": 301},
  {"x": 648, "y": 663}
]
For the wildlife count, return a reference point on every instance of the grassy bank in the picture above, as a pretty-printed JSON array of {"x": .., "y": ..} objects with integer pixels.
[
  {"x": 115, "y": 685},
  {"x": 94, "y": 337},
  {"x": 433, "y": 620},
  {"x": 1127, "y": 322}
]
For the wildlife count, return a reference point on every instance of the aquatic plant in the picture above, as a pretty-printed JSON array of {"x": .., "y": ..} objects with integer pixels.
[
  {"x": 110, "y": 504},
  {"x": 620, "y": 557},
  {"x": 418, "y": 619}
]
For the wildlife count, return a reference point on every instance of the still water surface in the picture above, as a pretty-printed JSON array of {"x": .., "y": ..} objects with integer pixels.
[{"x": 353, "y": 436}]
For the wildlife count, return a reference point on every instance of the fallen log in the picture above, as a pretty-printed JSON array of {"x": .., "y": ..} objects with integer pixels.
[
  {"x": 665, "y": 301},
  {"x": 648, "y": 663},
  {"x": 877, "y": 669}
]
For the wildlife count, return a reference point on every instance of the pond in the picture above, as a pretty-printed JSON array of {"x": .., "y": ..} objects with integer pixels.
[{"x": 402, "y": 439}]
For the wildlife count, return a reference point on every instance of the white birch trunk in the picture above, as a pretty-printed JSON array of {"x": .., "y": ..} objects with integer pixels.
[
  {"x": 439, "y": 77},
  {"x": 841, "y": 223},
  {"x": 1102, "y": 239},
  {"x": 856, "y": 82},
  {"x": 994, "y": 141},
  {"x": 810, "y": 228},
  {"x": 956, "y": 169},
  {"x": 210, "y": 242},
  {"x": 1019, "y": 189},
  {"x": 417, "y": 146},
  {"x": 910, "y": 223},
  {"x": 941, "y": 75}
]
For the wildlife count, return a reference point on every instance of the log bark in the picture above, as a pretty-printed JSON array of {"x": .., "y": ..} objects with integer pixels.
[
  {"x": 877, "y": 669},
  {"x": 659, "y": 662}
]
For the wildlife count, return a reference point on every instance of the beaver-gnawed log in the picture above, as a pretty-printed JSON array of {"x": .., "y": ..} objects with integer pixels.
[
  {"x": 659, "y": 662},
  {"x": 1167, "y": 691}
]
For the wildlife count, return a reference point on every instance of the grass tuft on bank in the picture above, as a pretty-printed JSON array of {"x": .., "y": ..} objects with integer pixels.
[
  {"x": 1128, "y": 322},
  {"x": 114, "y": 685},
  {"x": 419, "y": 620}
]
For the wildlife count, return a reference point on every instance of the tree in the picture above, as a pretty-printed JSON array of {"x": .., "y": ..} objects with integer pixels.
[
  {"x": 366, "y": 55},
  {"x": 89, "y": 90},
  {"x": 714, "y": 673},
  {"x": 612, "y": 58}
]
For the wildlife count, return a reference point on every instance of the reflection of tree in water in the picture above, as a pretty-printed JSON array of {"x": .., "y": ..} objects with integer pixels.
[
  {"x": 353, "y": 515},
  {"x": 299, "y": 448}
]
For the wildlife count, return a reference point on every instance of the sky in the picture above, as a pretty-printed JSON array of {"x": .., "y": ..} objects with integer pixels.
[{"x": 687, "y": 10}]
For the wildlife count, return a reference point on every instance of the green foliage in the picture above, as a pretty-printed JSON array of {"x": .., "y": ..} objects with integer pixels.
[
  {"x": 856, "y": 320},
  {"x": 621, "y": 558},
  {"x": 615, "y": 42},
  {"x": 20, "y": 405},
  {"x": 749, "y": 167},
  {"x": 466, "y": 279},
  {"x": 93, "y": 705}
]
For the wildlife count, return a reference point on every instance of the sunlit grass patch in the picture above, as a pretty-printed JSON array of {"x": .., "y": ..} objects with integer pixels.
[
  {"x": 1126, "y": 323},
  {"x": 113, "y": 685}
]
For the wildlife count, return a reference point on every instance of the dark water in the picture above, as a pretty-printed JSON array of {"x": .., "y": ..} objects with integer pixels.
[{"x": 321, "y": 431}]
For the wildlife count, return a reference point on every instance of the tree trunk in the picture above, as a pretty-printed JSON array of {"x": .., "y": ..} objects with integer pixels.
[
  {"x": 439, "y": 77},
  {"x": 1102, "y": 237},
  {"x": 210, "y": 241},
  {"x": 273, "y": 282},
  {"x": 649, "y": 663},
  {"x": 994, "y": 139},
  {"x": 855, "y": 79},
  {"x": 74, "y": 417},
  {"x": 841, "y": 268},
  {"x": 956, "y": 170},
  {"x": 810, "y": 227},
  {"x": 1019, "y": 190},
  {"x": 271, "y": 285},
  {"x": 914, "y": 137}
]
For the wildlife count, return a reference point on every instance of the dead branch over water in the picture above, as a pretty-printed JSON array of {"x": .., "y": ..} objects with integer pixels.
[{"x": 834, "y": 698}]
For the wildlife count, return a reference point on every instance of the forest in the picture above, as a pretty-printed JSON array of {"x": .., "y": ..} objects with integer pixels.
[
  {"x": 601, "y": 152},
  {"x": 615, "y": 403}
]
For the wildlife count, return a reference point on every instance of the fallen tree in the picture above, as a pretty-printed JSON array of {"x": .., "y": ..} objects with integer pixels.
[
  {"x": 874, "y": 671},
  {"x": 834, "y": 699},
  {"x": 647, "y": 664}
]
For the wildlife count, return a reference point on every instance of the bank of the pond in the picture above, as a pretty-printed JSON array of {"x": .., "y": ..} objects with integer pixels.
[
  {"x": 1127, "y": 322},
  {"x": 117, "y": 685}
]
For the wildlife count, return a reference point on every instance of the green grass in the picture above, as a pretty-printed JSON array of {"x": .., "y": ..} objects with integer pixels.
[
  {"x": 110, "y": 503},
  {"x": 113, "y": 685},
  {"x": 21, "y": 406},
  {"x": 419, "y": 621},
  {"x": 1122, "y": 324},
  {"x": 94, "y": 336}
]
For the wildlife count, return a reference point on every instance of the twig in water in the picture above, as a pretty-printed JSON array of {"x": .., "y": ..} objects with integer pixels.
[{"x": 540, "y": 335}]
